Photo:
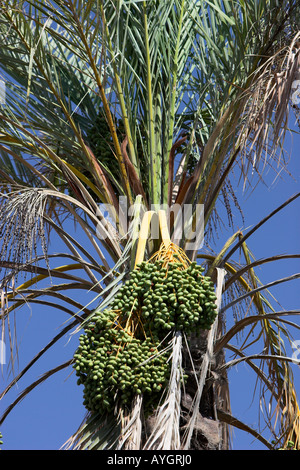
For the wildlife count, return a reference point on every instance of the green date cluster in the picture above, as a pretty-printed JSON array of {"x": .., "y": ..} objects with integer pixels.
[
  {"x": 113, "y": 365},
  {"x": 169, "y": 297},
  {"x": 122, "y": 351}
]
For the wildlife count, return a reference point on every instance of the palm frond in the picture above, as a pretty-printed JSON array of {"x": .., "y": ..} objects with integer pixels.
[
  {"x": 28, "y": 389},
  {"x": 131, "y": 426},
  {"x": 95, "y": 433},
  {"x": 165, "y": 433}
]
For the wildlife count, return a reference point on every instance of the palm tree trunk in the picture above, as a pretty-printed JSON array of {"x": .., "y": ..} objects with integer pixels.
[{"x": 209, "y": 433}]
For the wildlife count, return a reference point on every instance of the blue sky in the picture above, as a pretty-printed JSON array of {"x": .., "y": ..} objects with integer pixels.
[
  {"x": 47, "y": 417},
  {"x": 280, "y": 235}
]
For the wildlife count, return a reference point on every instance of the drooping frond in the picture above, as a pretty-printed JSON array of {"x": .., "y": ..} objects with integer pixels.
[
  {"x": 165, "y": 434},
  {"x": 22, "y": 224}
]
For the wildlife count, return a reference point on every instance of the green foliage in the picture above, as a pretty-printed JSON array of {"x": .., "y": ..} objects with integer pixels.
[{"x": 99, "y": 139}]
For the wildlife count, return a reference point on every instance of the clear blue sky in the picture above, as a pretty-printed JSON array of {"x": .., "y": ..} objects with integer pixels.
[{"x": 47, "y": 417}]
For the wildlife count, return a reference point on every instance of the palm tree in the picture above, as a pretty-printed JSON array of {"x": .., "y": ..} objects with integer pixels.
[{"x": 148, "y": 105}]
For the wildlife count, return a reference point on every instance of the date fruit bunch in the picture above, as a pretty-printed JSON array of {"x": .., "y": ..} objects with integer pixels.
[{"x": 124, "y": 350}]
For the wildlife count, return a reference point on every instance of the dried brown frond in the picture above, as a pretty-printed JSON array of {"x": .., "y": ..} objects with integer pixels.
[
  {"x": 265, "y": 107},
  {"x": 131, "y": 426},
  {"x": 165, "y": 434}
]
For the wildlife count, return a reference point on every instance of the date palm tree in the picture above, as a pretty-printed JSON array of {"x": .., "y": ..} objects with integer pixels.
[{"x": 154, "y": 106}]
